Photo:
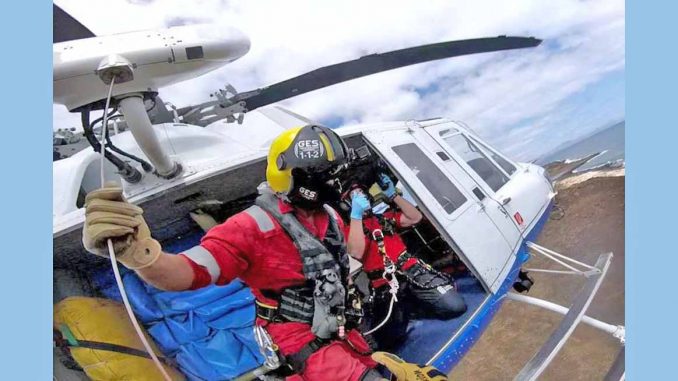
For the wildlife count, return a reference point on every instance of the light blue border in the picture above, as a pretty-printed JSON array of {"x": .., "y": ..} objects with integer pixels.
[
  {"x": 26, "y": 99},
  {"x": 651, "y": 184},
  {"x": 651, "y": 210}
]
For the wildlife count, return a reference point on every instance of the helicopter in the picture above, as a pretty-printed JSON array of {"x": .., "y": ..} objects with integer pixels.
[{"x": 192, "y": 167}]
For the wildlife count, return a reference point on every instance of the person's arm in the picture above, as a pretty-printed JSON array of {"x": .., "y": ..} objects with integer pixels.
[
  {"x": 220, "y": 258},
  {"x": 356, "y": 236},
  {"x": 109, "y": 216},
  {"x": 410, "y": 214},
  {"x": 356, "y": 240},
  {"x": 169, "y": 272}
]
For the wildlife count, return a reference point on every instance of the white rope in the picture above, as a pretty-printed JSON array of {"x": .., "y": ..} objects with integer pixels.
[
  {"x": 393, "y": 290},
  {"x": 132, "y": 318},
  {"x": 388, "y": 316},
  {"x": 111, "y": 252}
]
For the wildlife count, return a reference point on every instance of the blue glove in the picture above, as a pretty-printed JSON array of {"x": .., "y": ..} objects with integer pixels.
[
  {"x": 387, "y": 186},
  {"x": 359, "y": 204}
]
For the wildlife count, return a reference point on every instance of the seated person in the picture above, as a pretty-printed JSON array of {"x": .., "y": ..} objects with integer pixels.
[{"x": 420, "y": 284}]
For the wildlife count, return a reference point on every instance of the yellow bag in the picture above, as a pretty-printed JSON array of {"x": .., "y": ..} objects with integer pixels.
[{"x": 106, "y": 321}]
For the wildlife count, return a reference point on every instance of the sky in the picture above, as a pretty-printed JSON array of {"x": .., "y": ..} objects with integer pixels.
[{"x": 525, "y": 102}]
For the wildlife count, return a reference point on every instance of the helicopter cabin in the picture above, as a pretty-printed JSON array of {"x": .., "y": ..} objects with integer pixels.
[{"x": 480, "y": 207}]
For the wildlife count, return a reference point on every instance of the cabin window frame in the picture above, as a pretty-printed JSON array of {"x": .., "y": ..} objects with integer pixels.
[
  {"x": 492, "y": 151},
  {"x": 446, "y": 134}
]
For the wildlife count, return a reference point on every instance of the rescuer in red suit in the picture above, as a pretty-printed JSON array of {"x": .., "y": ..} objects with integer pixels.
[
  {"x": 288, "y": 248},
  {"x": 373, "y": 239}
]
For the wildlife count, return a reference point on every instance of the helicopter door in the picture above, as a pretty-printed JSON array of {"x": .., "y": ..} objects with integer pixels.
[
  {"x": 490, "y": 177},
  {"x": 527, "y": 194},
  {"x": 452, "y": 207},
  {"x": 520, "y": 194}
]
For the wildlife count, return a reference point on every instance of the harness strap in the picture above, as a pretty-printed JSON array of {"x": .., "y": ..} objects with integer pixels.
[
  {"x": 297, "y": 361},
  {"x": 266, "y": 311},
  {"x": 294, "y": 304},
  {"x": 378, "y": 237}
]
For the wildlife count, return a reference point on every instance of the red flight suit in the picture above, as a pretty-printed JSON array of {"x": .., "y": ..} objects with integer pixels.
[
  {"x": 270, "y": 261},
  {"x": 372, "y": 260}
]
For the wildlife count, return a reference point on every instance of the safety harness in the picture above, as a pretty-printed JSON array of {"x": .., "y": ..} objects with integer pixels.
[
  {"x": 388, "y": 274},
  {"x": 380, "y": 277},
  {"x": 321, "y": 301},
  {"x": 407, "y": 264},
  {"x": 390, "y": 268},
  {"x": 414, "y": 270}
]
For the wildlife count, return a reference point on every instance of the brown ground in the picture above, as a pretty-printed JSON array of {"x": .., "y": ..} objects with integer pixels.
[{"x": 592, "y": 223}]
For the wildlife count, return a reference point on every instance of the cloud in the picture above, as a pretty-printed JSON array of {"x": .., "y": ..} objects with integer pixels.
[{"x": 514, "y": 99}]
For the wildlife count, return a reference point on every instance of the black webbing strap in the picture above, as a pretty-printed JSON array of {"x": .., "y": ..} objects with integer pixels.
[
  {"x": 294, "y": 304},
  {"x": 115, "y": 348},
  {"x": 96, "y": 345},
  {"x": 297, "y": 361},
  {"x": 64, "y": 339},
  {"x": 265, "y": 311},
  {"x": 375, "y": 274}
]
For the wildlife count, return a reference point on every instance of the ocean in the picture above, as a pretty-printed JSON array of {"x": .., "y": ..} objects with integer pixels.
[{"x": 608, "y": 144}]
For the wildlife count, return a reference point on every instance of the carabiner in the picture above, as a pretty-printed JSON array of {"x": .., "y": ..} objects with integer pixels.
[
  {"x": 378, "y": 235},
  {"x": 267, "y": 348}
]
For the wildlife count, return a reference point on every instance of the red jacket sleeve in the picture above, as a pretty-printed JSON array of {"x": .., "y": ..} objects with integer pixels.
[
  {"x": 230, "y": 244},
  {"x": 396, "y": 215}
]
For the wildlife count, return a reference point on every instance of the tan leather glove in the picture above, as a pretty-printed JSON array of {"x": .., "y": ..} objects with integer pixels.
[
  {"x": 405, "y": 371},
  {"x": 109, "y": 215}
]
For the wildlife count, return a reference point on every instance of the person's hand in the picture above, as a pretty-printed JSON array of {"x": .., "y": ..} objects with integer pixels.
[
  {"x": 387, "y": 186},
  {"x": 405, "y": 371},
  {"x": 109, "y": 216},
  {"x": 359, "y": 204}
]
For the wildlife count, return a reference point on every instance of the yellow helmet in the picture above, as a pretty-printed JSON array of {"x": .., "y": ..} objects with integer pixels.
[{"x": 303, "y": 162}]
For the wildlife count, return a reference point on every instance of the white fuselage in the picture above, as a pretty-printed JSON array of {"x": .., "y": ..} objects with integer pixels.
[
  {"x": 486, "y": 226},
  {"x": 159, "y": 58}
]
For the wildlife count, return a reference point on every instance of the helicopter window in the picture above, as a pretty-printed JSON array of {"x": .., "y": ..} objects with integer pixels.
[
  {"x": 508, "y": 167},
  {"x": 446, "y": 193},
  {"x": 477, "y": 160}
]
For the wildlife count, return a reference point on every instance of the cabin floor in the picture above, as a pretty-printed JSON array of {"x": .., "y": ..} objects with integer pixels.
[
  {"x": 425, "y": 337},
  {"x": 592, "y": 223}
]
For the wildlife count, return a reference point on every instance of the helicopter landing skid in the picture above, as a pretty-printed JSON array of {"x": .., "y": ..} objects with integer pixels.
[{"x": 573, "y": 315}]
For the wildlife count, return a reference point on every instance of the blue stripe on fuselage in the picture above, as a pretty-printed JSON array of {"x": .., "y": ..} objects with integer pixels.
[{"x": 453, "y": 353}]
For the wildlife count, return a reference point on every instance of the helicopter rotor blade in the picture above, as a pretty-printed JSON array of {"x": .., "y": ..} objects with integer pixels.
[
  {"x": 225, "y": 107},
  {"x": 376, "y": 63},
  {"x": 66, "y": 28}
]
